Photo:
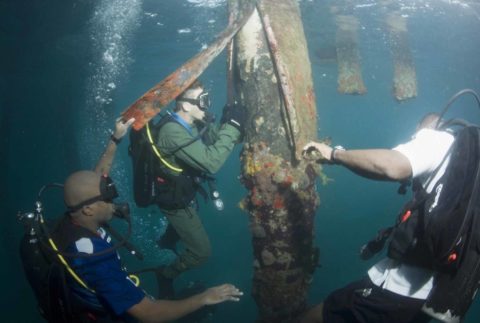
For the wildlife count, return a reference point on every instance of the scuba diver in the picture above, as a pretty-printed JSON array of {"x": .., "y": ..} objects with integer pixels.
[
  {"x": 76, "y": 272},
  {"x": 433, "y": 260},
  {"x": 171, "y": 159}
]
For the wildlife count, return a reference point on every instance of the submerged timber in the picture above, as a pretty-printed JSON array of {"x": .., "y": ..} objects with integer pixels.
[{"x": 272, "y": 77}]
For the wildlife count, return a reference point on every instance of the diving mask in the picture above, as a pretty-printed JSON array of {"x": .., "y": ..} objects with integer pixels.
[
  {"x": 202, "y": 101},
  {"x": 108, "y": 193}
]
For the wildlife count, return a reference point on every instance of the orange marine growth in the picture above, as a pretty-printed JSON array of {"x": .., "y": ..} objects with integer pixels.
[{"x": 278, "y": 203}]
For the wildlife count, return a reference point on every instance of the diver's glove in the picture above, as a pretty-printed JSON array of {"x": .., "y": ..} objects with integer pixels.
[{"x": 235, "y": 115}]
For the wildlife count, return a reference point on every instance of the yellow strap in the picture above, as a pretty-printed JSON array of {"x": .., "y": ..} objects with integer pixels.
[
  {"x": 69, "y": 269},
  {"x": 64, "y": 262},
  {"x": 176, "y": 169},
  {"x": 135, "y": 279}
]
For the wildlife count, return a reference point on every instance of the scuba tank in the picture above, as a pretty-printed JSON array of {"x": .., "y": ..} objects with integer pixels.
[
  {"x": 46, "y": 269},
  {"x": 35, "y": 262}
]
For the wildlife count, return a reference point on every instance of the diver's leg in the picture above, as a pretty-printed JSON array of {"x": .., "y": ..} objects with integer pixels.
[
  {"x": 364, "y": 302},
  {"x": 189, "y": 228},
  {"x": 169, "y": 239}
]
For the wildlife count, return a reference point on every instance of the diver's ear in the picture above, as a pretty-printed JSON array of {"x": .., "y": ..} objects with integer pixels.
[
  {"x": 186, "y": 107},
  {"x": 88, "y": 210}
]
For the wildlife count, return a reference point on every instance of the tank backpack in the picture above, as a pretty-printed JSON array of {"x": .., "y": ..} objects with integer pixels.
[
  {"x": 44, "y": 254},
  {"x": 155, "y": 181},
  {"x": 456, "y": 246},
  {"x": 441, "y": 230},
  {"x": 143, "y": 164},
  {"x": 433, "y": 228},
  {"x": 48, "y": 280}
]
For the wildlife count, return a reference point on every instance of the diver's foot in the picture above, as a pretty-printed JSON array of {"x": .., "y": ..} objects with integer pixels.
[{"x": 165, "y": 285}]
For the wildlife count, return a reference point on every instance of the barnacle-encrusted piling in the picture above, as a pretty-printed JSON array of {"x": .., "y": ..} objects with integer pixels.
[{"x": 273, "y": 80}]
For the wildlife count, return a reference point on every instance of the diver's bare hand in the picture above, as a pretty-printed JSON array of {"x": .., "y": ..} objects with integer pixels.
[
  {"x": 318, "y": 151},
  {"x": 121, "y": 128},
  {"x": 222, "y": 293}
]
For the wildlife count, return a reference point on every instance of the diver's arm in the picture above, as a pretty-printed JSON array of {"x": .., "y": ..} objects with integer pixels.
[
  {"x": 379, "y": 164},
  {"x": 198, "y": 155},
  {"x": 163, "y": 311},
  {"x": 212, "y": 133},
  {"x": 210, "y": 158},
  {"x": 106, "y": 160}
]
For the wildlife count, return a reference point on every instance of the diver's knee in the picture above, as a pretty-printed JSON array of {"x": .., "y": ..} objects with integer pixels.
[{"x": 204, "y": 253}]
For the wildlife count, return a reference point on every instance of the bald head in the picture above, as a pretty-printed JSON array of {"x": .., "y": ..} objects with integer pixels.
[
  {"x": 429, "y": 121},
  {"x": 81, "y": 186}
]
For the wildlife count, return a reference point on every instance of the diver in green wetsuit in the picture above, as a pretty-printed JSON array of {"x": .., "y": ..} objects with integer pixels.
[{"x": 188, "y": 155}]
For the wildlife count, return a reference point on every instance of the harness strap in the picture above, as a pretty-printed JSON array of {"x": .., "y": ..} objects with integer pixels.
[
  {"x": 63, "y": 261},
  {"x": 374, "y": 246},
  {"x": 157, "y": 152}
]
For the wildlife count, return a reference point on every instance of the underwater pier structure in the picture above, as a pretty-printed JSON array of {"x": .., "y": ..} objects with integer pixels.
[
  {"x": 348, "y": 56},
  {"x": 271, "y": 74},
  {"x": 349, "y": 79},
  {"x": 404, "y": 75}
]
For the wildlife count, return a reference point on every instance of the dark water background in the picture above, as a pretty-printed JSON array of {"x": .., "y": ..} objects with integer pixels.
[{"x": 68, "y": 68}]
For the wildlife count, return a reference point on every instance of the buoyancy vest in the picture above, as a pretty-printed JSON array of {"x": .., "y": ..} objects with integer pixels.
[
  {"x": 440, "y": 230},
  {"x": 48, "y": 277},
  {"x": 154, "y": 180}
]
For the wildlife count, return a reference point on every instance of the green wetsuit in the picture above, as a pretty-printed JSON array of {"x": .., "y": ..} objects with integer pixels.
[{"x": 201, "y": 157}]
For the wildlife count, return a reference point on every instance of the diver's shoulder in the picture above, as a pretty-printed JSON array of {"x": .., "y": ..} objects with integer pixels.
[
  {"x": 435, "y": 134},
  {"x": 172, "y": 127}
]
